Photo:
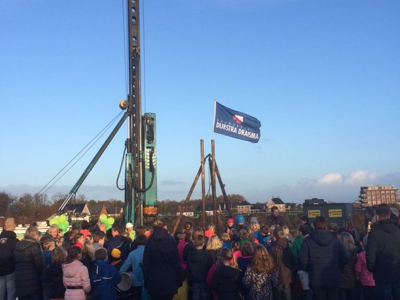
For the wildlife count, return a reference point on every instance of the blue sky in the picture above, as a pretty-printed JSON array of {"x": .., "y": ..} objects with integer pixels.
[{"x": 321, "y": 76}]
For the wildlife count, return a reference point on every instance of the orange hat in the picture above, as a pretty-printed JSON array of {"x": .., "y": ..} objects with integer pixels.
[{"x": 116, "y": 253}]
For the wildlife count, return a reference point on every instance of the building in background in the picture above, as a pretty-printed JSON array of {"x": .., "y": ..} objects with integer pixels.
[
  {"x": 276, "y": 201},
  {"x": 378, "y": 194}
]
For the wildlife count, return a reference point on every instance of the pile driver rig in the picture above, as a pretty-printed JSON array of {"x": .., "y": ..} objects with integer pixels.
[{"x": 140, "y": 205}]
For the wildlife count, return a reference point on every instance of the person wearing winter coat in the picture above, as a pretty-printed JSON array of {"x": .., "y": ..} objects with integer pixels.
[
  {"x": 133, "y": 262},
  {"x": 243, "y": 262},
  {"x": 366, "y": 277},
  {"x": 104, "y": 277},
  {"x": 29, "y": 264},
  {"x": 161, "y": 264},
  {"x": 321, "y": 255},
  {"x": 8, "y": 241},
  {"x": 198, "y": 264},
  {"x": 55, "y": 273},
  {"x": 284, "y": 264},
  {"x": 119, "y": 241},
  {"x": 348, "y": 275},
  {"x": 75, "y": 276},
  {"x": 225, "y": 279},
  {"x": 383, "y": 255},
  {"x": 260, "y": 277}
]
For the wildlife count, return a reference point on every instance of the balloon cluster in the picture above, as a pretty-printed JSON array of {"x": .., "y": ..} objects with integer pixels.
[
  {"x": 107, "y": 221},
  {"x": 61, "y": 222}
]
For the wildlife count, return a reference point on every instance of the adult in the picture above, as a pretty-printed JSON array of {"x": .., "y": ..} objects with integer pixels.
[
  {"x": 161, "y": 264},
  {"x": 8, "y": 241},
  {"x": 321, "y": 255},
  {"x": 130, "y": 231},
  {"x": 29, "y": 264},
  {"x": 383, "y": 254},
  {"x": 275, "y": 218},
  {"x": 306, "y": 222}
]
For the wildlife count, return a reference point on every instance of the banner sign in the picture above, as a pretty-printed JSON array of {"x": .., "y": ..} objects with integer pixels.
[
  {"x": 236, "y": 124},
  {"x": 335, "y": 213}
]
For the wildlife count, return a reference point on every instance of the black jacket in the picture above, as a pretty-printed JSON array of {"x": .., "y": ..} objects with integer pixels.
[
  {"x": 8, "y": 241},
  {"x": 29, "y": 264},
  {"x": 272, "y": 220},
  {"x": 199, "y": 263},
  {"x": 226, "y": 282},
  {"x": 57, "y": 289},
  {"x": 322, "y": 255},
  {"x": 383, "y": 251},
  {"x": 161, "y": 264}
]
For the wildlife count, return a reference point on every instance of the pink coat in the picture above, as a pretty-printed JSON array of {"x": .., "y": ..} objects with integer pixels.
[
  {"x": 76, "y": 274},
  {"x": 366, "y": 277},
  {"x": 181, "y": 247}
]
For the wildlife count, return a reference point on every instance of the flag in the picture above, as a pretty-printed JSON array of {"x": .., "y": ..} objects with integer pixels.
[{"x": 236, "y": 124}]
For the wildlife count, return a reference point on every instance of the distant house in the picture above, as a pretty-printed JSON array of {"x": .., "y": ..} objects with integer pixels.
[
  {"x": 186, "y": 213},
  {"x": 110, "y": 211},
  {"x": 78, "y": 212},
  {"x": 256, "y": 208},
  {"x": 221, "y": 208},
  {"x": 243, "y": 207},
  {"x": 276, "y": 201}
]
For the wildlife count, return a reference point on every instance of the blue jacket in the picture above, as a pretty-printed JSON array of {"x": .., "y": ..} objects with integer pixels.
[
  {"x": 134, "y": 259},
  {"x": 104, "y": 278}
]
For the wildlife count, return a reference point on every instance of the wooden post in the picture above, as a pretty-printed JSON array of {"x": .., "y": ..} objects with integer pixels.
[
  {"x": 222, "y": 186},
  {"x": 203, "y": 183},
  {"x": 213, "y": 183}
]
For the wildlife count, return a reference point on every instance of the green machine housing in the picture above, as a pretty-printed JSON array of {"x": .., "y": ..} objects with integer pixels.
[{"x": 149, "y": 197}]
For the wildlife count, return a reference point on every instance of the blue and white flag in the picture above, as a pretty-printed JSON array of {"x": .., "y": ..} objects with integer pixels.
[{"x": 236, "y": 124}]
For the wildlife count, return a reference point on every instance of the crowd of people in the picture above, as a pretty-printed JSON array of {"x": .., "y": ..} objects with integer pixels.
[{"x": 262, "y": 259}]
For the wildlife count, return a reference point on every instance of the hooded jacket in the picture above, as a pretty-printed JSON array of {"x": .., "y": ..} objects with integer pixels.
[
  {"x": 283, "y": 259},
  {"x": 198, "y": 264},
  {"x": 104, "y": 278},
  {"x": 122, "y": 243},
  {"x": 161, "y": 264},
  {"x": 226, "y": 282},
  {"x": 29, "y": 264},
  {"x": 8, "y": 241},
  {"x": 322, "y": 255},
  {"x": 75, "y": 274},
  {"x": 383, "y": 251}
]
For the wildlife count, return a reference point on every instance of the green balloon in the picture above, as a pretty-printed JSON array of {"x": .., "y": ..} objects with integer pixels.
[
  {"x": 62, "y": 219},
  {"x": 66, "y": 223},
  {"x": 52, "y": 222},
  {"x": 103, "y": 218},
  {"x": 108, "y": 226},
  {"x": 110, "y": 221},
  {"x": 62, "y": 226}
]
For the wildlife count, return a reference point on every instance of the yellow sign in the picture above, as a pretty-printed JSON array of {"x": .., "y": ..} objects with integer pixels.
[
  {"x": 314, "y": 213},
  {"x": 335, "y": 213}
]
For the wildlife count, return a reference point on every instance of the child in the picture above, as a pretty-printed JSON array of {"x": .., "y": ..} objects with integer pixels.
[
  {"x": 265, "y": 236},
  {"x": 75, "y": 274},
  {"x": 117, "y": 262},
  {"x": 243, "y": 262},
  {"x": 213, "y": 244},
  {"x": 288, "y": 236},
  {"x": 233, "y": 234},
  {"x": 260, "y": 277},
  {"x": 211, "y": 231},
  {"x": 231, "y": 225},
  {"x": 240, "y": 223},
  {"x": 181, "y": 239},
  {"x": 244, "y": 237},
  {"x": 98, "y": 240},
  {"x": 365, "y": 276},
  {"x": 347, "y": 272},
  {"x": 104, "y": 277},
  {"x": 235, "y": 247},
  {"x": 57, "y": 288},
  {"x": 198, "y": 264},
  {"x": 48, "y": 245},
  {"x": 226, "y": 241},
  {"x": 226, "y": 277},
  {"x": 255, "y": 227},
  {"x": 284, "y": 264},
  {"x": 133, "y": 261}
]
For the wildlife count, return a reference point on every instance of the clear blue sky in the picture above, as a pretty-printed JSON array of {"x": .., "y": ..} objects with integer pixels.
[{"x": 323, "y": 77}]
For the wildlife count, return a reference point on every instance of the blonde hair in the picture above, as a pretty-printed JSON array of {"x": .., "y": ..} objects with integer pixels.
[
  {"x": 87, "y": 249},
  {"x": 348, "y": 241},
  {"x": 214, "y": 243},
  {"x": 9, "y": 224},
  {"x": 255, "y": 226},
  {"x": 53, "y": 227},
  {"x": 285, "y": 229}
]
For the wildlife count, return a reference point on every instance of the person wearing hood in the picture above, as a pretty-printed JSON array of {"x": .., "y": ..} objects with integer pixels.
[
  {"x": 161, "y": 264},
  {"x": 199, "y": 263},
  {"x": 75, "y": 276},
  {"x": 119, "y": 241},
  {"x": 322, "y": 255},
  {"x": 284, "y": 264},
  {"x": 8, "y": 241},
  {"x": 226, "y": 277},
  {"x": 383, "y": 255},
  {"x": 29, "y": 264},
  {"x": 104, "y": 277}
]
